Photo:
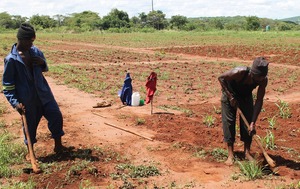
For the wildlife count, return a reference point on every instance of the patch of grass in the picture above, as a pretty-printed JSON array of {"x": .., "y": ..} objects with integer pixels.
[
  {"x": 269, "y": 140},
  {"x": 12, "y": 184},
  {"x": 235, "y": 176},
  {"x": 272, "y": 122},
  {"x": 109, "y": 154},
  {"x": 76, "y": 168},
  {"x": 164, "y": 76},
  {"x": 177, "y": 145},
  {"x": 86, "y": 184},
  {"x": 284, "y": 110},
  {"x": 123, "y": 116},
  {"x": 3, "y": 109},
  {"x": 217, "y": 110},
  {"x": 2, "y": 124},
  {"x": 11, "y": 154},
  {"x": 219, "y": 154},
  {"x": 132, "y": 171},
  {"x": 127, "y": 185},
  {"x": 200, "y": 153},
  {"x": 209, "y": 120},
  {"x": 187, "y": 112},
  {"x": 140, "y": 121},
  {"x": 292, "y": 79},
  {"x": 289, "y": 186},
  {"x": 251, "y": 170}
]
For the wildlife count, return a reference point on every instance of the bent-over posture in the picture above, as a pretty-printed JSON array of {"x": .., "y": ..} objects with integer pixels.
[{"x": 237, "y": 86}]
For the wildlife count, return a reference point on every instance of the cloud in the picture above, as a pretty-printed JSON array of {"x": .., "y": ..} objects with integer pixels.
[{"x": 190, "y": 8}]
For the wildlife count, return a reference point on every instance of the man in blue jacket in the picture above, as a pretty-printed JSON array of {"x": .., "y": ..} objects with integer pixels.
[{"x": 27, "y": 90}]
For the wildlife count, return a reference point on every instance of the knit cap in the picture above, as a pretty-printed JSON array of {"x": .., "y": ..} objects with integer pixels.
[{"x": 26, "y": 31}]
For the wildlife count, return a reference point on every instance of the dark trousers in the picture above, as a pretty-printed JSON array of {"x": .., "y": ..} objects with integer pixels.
[
  {"x": 51, "y": 112},
  {"x": 229, "y": 118}
]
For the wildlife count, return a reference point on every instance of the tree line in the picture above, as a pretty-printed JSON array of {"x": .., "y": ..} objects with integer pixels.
[{"x": 119, "y": 21}]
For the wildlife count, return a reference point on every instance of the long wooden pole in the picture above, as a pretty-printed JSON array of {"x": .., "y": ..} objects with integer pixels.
[
  {"x": 151, "y": 106},
  {"x": 109, "y": 124},
  {"x": 34, "y": 164}
]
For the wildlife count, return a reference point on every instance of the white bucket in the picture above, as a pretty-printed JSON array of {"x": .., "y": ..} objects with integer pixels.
[{"x": 135, "y": 99}]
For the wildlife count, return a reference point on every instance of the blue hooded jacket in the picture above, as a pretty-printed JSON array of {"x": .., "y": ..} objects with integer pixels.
[
  {"x": 22, "y": 86},
  {"x": 126, "y": 91}
]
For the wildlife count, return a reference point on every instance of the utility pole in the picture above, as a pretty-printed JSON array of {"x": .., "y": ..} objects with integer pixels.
[{"x": 152, "y": 6}]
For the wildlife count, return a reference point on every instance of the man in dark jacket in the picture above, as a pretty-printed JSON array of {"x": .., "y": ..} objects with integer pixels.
[
  {"x": 237, "y": 86},
  {"x": 27, "y": 90}
]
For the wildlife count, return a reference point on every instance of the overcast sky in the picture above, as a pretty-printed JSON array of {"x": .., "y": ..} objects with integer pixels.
[{"x": 275, "y": 9}]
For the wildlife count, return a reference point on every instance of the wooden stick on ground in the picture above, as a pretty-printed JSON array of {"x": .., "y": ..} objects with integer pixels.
[
  {"x": 129, "y": 131},
  {"x": 98, "y": 114}
]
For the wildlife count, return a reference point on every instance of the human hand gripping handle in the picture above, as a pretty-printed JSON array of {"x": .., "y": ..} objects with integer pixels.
[
  {"x": 20, "y": 108},
  {"x": 252, "y": 130},
  {"x": 270, "y": 161}
]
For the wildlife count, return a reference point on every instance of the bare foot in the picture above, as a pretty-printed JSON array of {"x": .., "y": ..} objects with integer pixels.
[
  {"x": 229, "y": 161},
  {"x": 249, "y": 157}
]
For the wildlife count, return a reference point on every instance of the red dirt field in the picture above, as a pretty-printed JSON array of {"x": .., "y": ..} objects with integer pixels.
[{"x": 183, "y": 145}]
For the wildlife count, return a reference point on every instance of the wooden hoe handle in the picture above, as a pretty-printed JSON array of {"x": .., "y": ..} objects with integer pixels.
[
  {"x": 34, "y": 164},
  {"x": 270, "y": 161}
]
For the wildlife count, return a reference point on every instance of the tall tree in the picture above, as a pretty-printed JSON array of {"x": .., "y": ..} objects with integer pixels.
[
  {"x": 216, "y": 23},
  {"x": 143, "y": 18},
  {"x": 59, "y": 19},
  {"x": 6, "y": 20},
  {"x": 84, "y": 21},
  {"x": 42, "y": 21},
  {"x": 252, "y": 23},
  {"x": 115, "y": 19},
  {"x": 178, "y": 21},
  {"x": 157, "y": 20},
  {"x": 18, "y": 20}
]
